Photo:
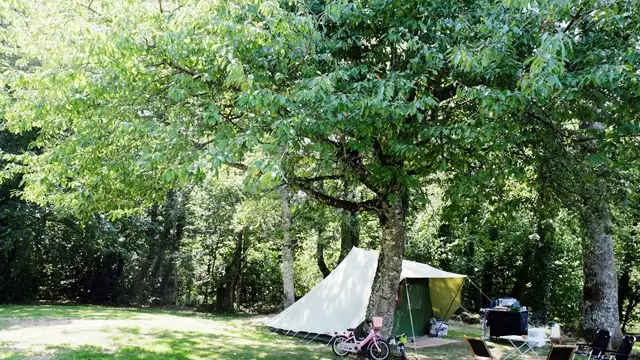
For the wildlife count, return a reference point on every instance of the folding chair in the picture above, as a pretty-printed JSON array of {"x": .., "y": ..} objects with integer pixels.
[
  {"x": 478, "y": 348},
  {"x": 597, "y": 348},
  {"x": 561, "y": 352},
  {"x": 623, "y": 352}
]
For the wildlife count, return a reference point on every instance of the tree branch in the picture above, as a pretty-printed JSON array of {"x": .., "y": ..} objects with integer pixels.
[
  {"x": 573, "y": 20},
  {"x": 354, "y": 160},
  {"x": 237, "y": 165},
  {"x": 88, "y": 7},
  {"x": 316, "y": 178},
  {"x": 303, "y": 185},
  {"x": 174, "y": 65},
  {"x": 334, "y": 201}
]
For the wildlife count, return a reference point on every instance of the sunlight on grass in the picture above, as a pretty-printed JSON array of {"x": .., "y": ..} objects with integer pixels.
[
  {"x": 148, "y": 334},
  {"x": 87, "y": 332},
  {"x": 58, "y": 312}
]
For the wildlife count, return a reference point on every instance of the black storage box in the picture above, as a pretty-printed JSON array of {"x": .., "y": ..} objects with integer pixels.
[{"x": 503, "y": 323}]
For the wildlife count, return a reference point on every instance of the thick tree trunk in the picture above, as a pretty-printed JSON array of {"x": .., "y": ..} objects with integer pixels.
[
  {"x": 385, "y": 283},
  {"x": 600, "y": 291},
  {"x": 287, "y": 251}
]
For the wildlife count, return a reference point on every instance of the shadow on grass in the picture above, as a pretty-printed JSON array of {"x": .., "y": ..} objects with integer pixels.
[{"x": 164, "y": 345}]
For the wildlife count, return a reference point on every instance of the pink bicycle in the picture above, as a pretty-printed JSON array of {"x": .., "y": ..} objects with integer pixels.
[{"x": 376, "y": 348}]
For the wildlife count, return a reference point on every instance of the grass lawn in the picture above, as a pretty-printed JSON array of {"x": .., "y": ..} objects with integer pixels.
[{"x": 87, "y": 332}]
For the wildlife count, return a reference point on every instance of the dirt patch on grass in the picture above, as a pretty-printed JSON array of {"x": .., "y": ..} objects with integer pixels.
[{"x": 16, "y": 323}]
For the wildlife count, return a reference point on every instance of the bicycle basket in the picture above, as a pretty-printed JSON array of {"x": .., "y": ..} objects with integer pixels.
[{"x": 377, "y": 322}]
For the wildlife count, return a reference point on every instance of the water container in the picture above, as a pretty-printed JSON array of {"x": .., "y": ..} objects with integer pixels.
[
  {"x": 537, "y": 337},
  {"x": 555, "y": 331}
]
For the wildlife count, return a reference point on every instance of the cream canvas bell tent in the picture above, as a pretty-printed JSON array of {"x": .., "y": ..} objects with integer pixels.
[{"x": 340, "y": 300}]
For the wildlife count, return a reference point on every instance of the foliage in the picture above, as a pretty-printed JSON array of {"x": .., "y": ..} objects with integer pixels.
[{"x": 494, "y": 130}]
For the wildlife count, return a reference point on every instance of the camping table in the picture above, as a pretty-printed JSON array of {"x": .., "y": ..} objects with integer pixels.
[{"x": 514, "y": 340}]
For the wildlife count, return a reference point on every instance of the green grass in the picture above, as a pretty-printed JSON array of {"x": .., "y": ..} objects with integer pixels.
[
  {"x": 92, "y": 332},
  {"x": 237, "y": 338},
  {"x": 98, "y": 312}
]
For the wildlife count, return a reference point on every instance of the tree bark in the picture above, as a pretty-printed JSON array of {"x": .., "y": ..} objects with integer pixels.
[
  {"x": 349, "y": 233},
  {"x": 349, "y": 226},
  {"x": 322, "y": 265},
  {"x": 382, "y": 301},
  {"x": 600, "y": 290},
  {"x": 287, "y": 251}
]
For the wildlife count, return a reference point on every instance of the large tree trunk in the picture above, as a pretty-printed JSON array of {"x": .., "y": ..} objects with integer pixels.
[
  {"x": 600, "y": 291},
  {"x": 382, "y": 301},
  {"x": 287, "y": 251}
]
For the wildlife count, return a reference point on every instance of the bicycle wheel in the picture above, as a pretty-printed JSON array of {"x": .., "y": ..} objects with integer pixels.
[
  {"x": 381, "y": 352},
  {"x": 334, "y": 346}
]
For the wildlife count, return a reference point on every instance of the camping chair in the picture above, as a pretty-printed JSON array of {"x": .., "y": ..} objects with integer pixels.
[
  {"x": 597, "y": 347},
  {"x": 478, "y": 348},
  {"x": 561, "y": 352},
  {"x": 623, "y": 352}
]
